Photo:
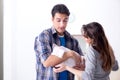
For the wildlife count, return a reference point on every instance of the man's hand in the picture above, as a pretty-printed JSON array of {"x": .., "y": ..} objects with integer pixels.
[{"x": 59, "y": 68}]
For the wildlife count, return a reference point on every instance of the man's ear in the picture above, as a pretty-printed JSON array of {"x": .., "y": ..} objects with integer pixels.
[{"x": 52, "y": 18}]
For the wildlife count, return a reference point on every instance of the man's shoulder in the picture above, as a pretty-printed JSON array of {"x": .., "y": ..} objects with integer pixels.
[{"x": 46, "y": 31}]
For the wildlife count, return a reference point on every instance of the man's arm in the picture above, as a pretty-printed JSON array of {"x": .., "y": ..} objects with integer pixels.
[{"x": 53, "y": 60}]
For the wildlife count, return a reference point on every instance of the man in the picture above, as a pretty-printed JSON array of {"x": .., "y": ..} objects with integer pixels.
[{"x": 54, "y": 35}]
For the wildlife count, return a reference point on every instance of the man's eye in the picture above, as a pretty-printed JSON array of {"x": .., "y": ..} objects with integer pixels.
[
  {"x": 58, "y": 20},
  {"x": 66, "y": 20}
]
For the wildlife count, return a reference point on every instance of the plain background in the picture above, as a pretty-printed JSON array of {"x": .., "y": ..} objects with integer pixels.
[{"x": 23, "y": 20}]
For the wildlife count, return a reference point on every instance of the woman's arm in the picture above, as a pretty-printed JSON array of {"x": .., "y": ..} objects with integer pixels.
[
  {"x": 74, "y": 71},
  {"x": 63, "y": 67}
]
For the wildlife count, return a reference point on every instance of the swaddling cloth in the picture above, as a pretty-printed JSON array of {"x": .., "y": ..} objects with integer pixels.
[{"x": 59, "y": 51}]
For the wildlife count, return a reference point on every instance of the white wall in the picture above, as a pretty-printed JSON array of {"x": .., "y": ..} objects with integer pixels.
[{"x": 25, "y": 19}]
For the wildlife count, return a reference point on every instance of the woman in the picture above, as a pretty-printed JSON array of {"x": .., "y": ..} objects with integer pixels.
[{"x": 99, "y": 57}]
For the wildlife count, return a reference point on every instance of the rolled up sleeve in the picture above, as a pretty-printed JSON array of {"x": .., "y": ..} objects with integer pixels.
[{"x": 42, "y": 47}]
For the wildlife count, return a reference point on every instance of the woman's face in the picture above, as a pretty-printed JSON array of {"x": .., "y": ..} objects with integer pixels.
[{"x": 88, "y": 40}]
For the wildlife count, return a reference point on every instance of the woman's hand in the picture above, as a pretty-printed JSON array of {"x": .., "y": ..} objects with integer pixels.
[
  {"x": 79, "y": 60},
  {"x": 81, "y": 64},
  {"x": 74, "y": 55}
]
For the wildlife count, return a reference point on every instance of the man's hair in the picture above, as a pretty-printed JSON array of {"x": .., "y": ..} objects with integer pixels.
[{"x": 60, "y": 8}]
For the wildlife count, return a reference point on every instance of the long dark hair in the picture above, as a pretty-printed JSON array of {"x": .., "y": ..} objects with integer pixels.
[{"x": 100, "y": 43}]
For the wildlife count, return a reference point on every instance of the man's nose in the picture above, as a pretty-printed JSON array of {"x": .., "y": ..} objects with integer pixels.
[{"x": 62, "y": 23}]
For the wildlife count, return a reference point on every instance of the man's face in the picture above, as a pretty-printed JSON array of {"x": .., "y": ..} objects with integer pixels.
[{"x": 60, "y": 22}]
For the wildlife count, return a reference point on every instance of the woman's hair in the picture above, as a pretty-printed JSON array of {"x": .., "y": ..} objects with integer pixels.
[
  {"x": 100, "y": 43},
  {"x": 60, "y": 8}
]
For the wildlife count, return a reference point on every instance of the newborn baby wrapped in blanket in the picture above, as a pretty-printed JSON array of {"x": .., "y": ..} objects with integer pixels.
[
  {"x": 58, "y": 57},
  {"x": 59, "y": 52}
]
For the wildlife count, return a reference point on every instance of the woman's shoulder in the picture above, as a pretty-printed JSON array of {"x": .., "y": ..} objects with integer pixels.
[{"x": 90, "y": 51}]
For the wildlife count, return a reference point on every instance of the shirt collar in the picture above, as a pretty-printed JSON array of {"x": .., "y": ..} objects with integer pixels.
[{"x": 55, "y": 32}]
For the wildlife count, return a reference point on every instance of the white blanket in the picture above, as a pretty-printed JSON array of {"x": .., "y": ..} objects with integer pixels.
[{"x": 59, "y": 51}]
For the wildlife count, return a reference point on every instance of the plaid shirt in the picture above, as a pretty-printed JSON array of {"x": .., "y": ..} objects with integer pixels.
[{"x": 43, "y": 47}]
